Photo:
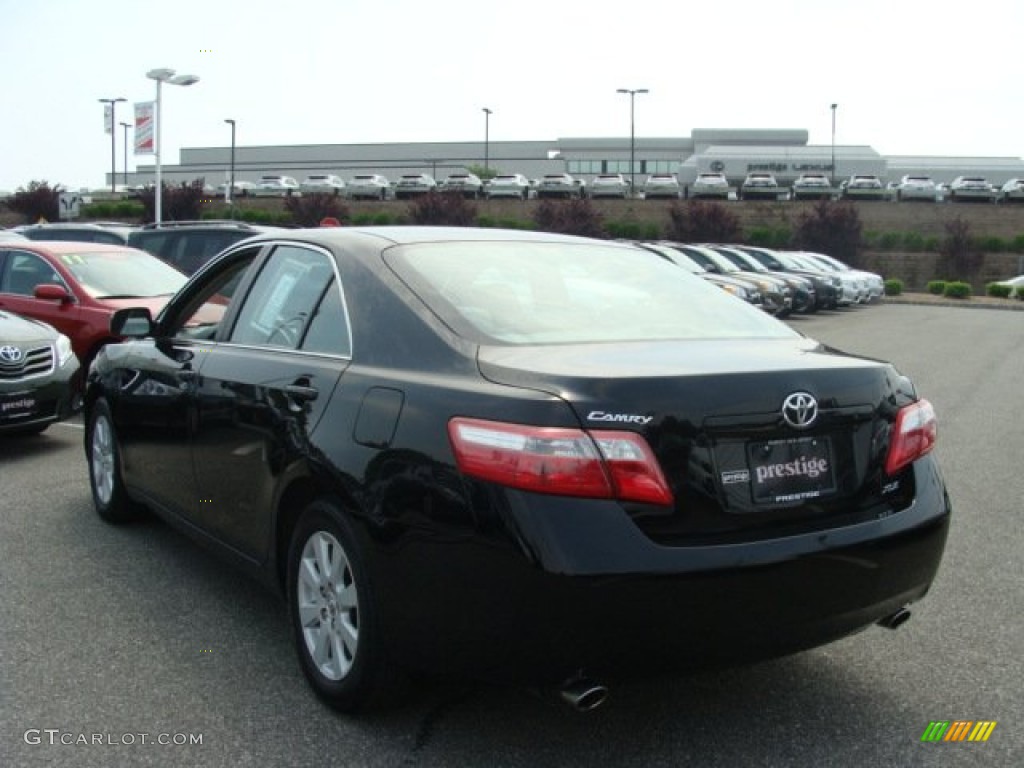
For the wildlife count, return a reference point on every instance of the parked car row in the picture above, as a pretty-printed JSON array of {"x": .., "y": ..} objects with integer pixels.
[{"x": 814, "y": 186}]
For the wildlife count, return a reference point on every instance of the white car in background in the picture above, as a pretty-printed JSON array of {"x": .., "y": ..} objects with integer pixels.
[
  {"x": 414, "y": 185},
  {"x": 368, "y": 186},
  {"x": 1016, "y": 286},
  {"x": 917, "y": 188},
  {"x": 875, "y": 282},
  {"x": 559, "y": 185},
  {"x": 1012, "y": 191},
  {"x": 662, "y": 185},
  {"x": 812, "y": 186},
  {"x": 468, "y": 184},
  {"x": 864, "y": 187},
  {"x": 274, "y": 185},
  {"x": 323, "y": 183},
  {"x": 971, "y": 188},
  {"x": 609, "y": 185},
  {"x": 710, "y": 185},
  {"x": 760, "y": 186},
  {"x": 509, "y": 185}
]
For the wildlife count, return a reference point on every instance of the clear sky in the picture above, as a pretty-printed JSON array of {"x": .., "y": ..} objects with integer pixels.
[{"x": 909, "y": 77}]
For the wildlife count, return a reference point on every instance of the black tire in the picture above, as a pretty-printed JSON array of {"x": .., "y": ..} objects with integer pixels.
[
  {"x": 104, "y": 459},
  {"x": 325, "y": 607}
]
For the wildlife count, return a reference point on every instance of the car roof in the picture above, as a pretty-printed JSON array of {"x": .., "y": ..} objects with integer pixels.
[{"x": 58, "y": 247}]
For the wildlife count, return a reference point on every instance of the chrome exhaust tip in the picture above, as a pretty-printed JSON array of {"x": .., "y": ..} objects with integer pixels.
[
  {"x": 895, "y": 619},
  {"x": 583, "y": 694}
]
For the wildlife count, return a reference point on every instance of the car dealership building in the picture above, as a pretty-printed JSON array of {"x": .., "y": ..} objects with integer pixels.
[{"x": 784, "y": 153}]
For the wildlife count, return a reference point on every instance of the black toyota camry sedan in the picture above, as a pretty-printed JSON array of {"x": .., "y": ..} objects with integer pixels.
[{"x": 522, "y": 457}]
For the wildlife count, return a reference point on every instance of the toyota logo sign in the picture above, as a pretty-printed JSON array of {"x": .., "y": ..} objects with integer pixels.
[
  {"x": 800, "y": 410},
  {"x": 9, "y": 354}
]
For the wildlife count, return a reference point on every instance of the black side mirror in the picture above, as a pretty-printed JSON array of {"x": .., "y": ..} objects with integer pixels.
[{"x": 132, "y": 322}]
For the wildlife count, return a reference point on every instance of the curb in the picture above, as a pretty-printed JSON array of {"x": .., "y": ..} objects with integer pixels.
[{"x": 1002, "y": 305}]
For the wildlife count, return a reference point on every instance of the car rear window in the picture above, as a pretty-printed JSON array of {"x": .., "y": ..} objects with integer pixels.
[{"x": 523, "y": 293}]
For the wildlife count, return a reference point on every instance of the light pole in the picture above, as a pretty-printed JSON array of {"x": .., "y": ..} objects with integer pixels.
[
  {"x": 834, "y": 145},
  {"x": 113, "y": 156},
  {"x": 632, "y": 135},
  {"x": 487, "y": 136},
  {"x": 231, "y": 175},
  {"x": 161, "y": 76},
  {"x": 126, "y": 126}
]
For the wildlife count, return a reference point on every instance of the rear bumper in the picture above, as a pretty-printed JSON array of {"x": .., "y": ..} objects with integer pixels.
[{"x": 562, "y": 587}]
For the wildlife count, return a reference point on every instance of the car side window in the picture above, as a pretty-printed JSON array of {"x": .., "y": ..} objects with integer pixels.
[
  {"x": 201, "y": 315},
  {"x": 328, "y": 331},
  {"x": 25, "y": 271},
  {"x": 284, "y": 297}
]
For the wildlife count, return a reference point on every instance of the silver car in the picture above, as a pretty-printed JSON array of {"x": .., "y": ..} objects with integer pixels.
[
  {"x": 918, "y": 188},
  {"x": 864, "y": 187},
  {"x": 812, "y": 186},
  {"x": 509, "y": 185},
  {"x": 760, "y": 186},
  {"x": 414, "y": 185},
  {"x": 609, "y": 185},
  {"x": 1012, "y": 191},
  {"x": 327, "y": 183},
  {"x": 368, "y": 186},
  {"x": 971, "y": 188},
  {"x": 469, "y": 184},
  {"x": 662, "y": 185},
  {"x": 559, "y": 185},
  {"x": 710, "y": 185}
]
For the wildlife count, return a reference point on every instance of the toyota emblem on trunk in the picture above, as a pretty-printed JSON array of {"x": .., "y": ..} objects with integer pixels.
[
  {"x": 9, "y": 354},
  {"x": 800, "y": 410}
]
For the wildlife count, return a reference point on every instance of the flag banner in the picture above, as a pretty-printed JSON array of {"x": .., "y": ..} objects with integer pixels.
[
  {"x": 108, "y": 118},
  {"x": 144, "y": 128}
]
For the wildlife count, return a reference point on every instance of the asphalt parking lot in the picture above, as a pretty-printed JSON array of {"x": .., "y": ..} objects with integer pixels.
[{"x": 134, "y": 636}]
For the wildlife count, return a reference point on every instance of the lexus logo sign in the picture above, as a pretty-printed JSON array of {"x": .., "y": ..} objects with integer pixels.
[
  {"x": 717, "y": 166},
  {"x": 800, "y": 410}
]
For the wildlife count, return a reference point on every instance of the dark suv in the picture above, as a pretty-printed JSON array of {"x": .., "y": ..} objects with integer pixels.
[{"x": 188, "y": 245}]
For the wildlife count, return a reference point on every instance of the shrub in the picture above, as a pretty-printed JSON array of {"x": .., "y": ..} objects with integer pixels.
[
  {"x": 310, "y": 209},
  {"x": 832, "y": 228},
  {"x": 998, "y": 290},
  {"x": 181, "y": 202},
  {"x": 893, "y": 287},
  {"x": 959, "y": 254},
  {"x": 128, "y": 210},
  {"x": 931, "y": 244},
  {"x": 992, "y": 244},
  {"x": 569, "y": 217},
  {"x": 957, "y": 290},
  {"x": 36, "y": 201},
  {"x": 770, "y": 237},
  {"x": 913, "y": 241},
  {"x": 700, "y": 221},
  {"x": 1017, "y": 244},
  {"x": 936, "y": 287},
  {"x": 256, "y": 216},
  {"x": 443, "y": 209},
  {"x": 890, "y": 241}
]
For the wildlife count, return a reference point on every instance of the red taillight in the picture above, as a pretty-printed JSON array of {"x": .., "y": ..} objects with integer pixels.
[
  {"x": 912, "y": 437},
  {"x": 565, "y": 462}
]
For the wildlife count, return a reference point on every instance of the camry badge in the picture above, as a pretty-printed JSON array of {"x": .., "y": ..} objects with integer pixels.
[
  {"x": 9, "y": 354},
  {"x": 800, "y": 410}
]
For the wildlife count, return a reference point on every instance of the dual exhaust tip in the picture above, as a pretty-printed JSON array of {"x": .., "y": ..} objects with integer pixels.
[{"x": 585, "y": 695}]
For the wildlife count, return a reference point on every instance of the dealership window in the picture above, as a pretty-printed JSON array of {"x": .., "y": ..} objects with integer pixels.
[{"x": 585, "y": 166}]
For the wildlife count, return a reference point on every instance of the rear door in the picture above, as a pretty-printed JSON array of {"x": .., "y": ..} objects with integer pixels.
[{"x": 263, "y": 390}]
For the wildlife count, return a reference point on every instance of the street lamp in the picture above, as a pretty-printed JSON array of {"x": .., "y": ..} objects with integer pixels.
[
  {"x": 126, "y": 126},
  {"x": 231, "y": 174},
  {"x": 113, "y": 157},
  {"x": 487, "y": 136},
  {"x": 632, "y": 135},
  {"x": 162, "y": 76},
  {"x": 834, "y": 145}
]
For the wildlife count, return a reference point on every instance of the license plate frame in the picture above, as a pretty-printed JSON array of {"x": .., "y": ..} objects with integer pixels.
[{"x": 791, "y": 470}]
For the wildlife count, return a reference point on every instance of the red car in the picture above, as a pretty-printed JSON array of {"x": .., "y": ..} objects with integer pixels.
[{"x": 76, "y": 286}]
